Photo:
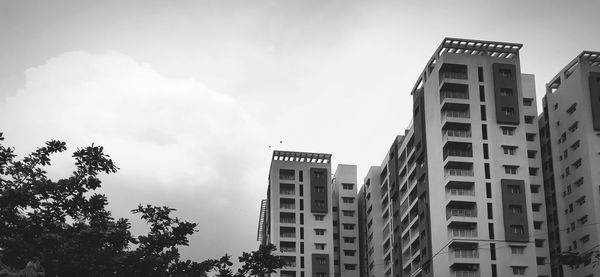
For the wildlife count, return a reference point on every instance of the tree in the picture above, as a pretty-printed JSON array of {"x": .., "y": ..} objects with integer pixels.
[{"x": 62, "y": 228}]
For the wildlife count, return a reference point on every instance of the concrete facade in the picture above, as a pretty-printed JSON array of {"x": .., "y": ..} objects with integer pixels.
[
  {"x": 297, "y": 214},
  {"x": 457, "y": 191},
  {"x": 570, "y": 131},
  {"x": 345, "y": 222}
]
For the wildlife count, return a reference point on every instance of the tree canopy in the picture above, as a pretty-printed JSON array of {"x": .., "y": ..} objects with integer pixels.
[{"x": 62, "y": 228}]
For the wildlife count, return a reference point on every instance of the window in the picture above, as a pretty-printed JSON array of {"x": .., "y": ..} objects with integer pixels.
[
  {"x": 320, "y": 232},
  {"x": 481, "y": 93},
  {"x": 514, "y": 189},
  {"x": 348, "y": 200},
  {"x": 536, "y": 207},
  {"x": 531, "y": 154},
  {"x": 575, "y": 145},
  {"x": 321, "y": 274},
  {"x": 505, "y": 72},
  {"x": 349, "y": 252},
  {"x": 527, "y": 101},
  {"x": 517, "y": 250},
  {"x": 506, "y": 92},
  {"x": 581, "y": 200},
  {"x": 483, "y": 112},
  {"x": 509, "y": 150},
  {"x": 319, "y": 203},
  {"x": 319, "y": 217},
  {"x": 577, "y": 163},
  {"x": 539, "y": 243},
  {"x": 517, "y": 229},
  {"x": 516, "y": 209},
  {"x": 579, "y": 182},
  {"x": 509, "y": 131},
  {"x": 348, "y": 186},
  {"x": 519, "y": 270},
  {"x": 349, "y": 239},
  {"x": 287, "y": 174},
  {"x": 348, "y": 213},
  {"x": 529, "y": 119},
  {"x": 535, "y": 188},
  {"x": 508, "y": 111},
  {"x": 320, "y": 246},
  {"x": 573, "y": 126},
  {"x": 348, "y": 226},
  {"x": 349, "y": 266},
  {"x": 511, "y": 169},
  {"x": 533, "y": 171},
  {"x": 480, "y": 74},
  {"x": 537, "y": 225},
  {"x": 321, "y": 260},
  {"x": 572, "y": 108},
  {"x": 530, "y": 136},
  {"x": 540, "y": 260},
  {"x": 484, "y": 134},
  {"x": 319, "y": 188}
]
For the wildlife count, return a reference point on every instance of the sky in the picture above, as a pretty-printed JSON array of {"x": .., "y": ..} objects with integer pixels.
[{"x": 189, "y": 98}]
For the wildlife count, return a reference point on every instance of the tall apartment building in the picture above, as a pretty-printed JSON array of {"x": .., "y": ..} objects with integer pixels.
[
  {"x": 375, "y": 201},
  {"x": 345, "y": 222},
  {"x": 570, "y": 134},
  {"x": 312, "y": 220},
  {"x": 464, "y": 195},
  {"x": 297, "y": 214}
]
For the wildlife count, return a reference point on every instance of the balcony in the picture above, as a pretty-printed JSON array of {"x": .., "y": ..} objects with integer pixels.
[
  {"x": 458, "y": 172},
  {"x": 287, "y": 192},
  {"x": 464, "y": 254},
  {"x": 454, "y": 94},
  {"x": 457, "y": 152},
  {"x": 464, "y": 273},
  {"x": 451, "y": 114},
  {"x": 289, "y": 206},
  {"x": 287, "y": 218},
  {"x": 459, "y": 192},
  {"x": 454, "y": 233},
  {"x": 450, "y": 133},
  {"x": 453, "y": 71},
  {"x": 461, "y": 213}
]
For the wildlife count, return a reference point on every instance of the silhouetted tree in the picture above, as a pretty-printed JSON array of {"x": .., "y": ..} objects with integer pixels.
[{"x": 62, "y": 228}]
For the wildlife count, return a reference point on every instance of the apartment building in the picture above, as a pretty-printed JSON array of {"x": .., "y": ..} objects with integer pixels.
[
  {"x": 570, "y": 137},
  {"x": 464, "y": 181},
  {"x": 345, "y": 222},
  {"x": 297, "y": 214},
  {"x": 375, "y": 218}
]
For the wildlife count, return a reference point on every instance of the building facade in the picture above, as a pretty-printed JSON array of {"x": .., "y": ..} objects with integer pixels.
[
  {"x": 297, "y": 214},
  {"x": 463, "y": 180},
  {"x": 570, "y": 133},
  {"x": 345, "y": 222}
]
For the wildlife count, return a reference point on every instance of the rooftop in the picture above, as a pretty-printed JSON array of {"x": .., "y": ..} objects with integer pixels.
[{"x": 301, "y": 157}]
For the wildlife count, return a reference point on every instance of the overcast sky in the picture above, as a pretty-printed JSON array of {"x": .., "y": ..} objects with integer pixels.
[{"x": 187, "y": 96}]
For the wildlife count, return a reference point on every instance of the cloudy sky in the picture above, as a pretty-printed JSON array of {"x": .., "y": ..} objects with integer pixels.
[{"x": 187, "y": 96}]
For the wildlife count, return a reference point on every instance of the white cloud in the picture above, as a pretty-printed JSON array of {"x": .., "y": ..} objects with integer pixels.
[{"x": 177, "y": 142}]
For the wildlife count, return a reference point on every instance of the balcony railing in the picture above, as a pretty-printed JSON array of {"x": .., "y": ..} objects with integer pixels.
[
  {"x": 464, "y": 254},
  {"x": 455, "y": 114},
  {"x": 462, "y": 233},
  {"x": 458, "y": 172},
  {"x": 457, "y": 133},
  {"x": 460, "y": 192},
  {"x": 287, "y": 235},
  {"x": 287, "y": 206},
  {"x": 287, "y": 192},
  {"x": 453, "y": 75},
  {"x": 461, "y": 212},
  {"x": 453, "y": 95},
  {"x": 465, "y": 273},
  {"x": 287, "y": 220},
  {"x": 457, "y": 153},
  {"x": 288, "y": 249}
]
